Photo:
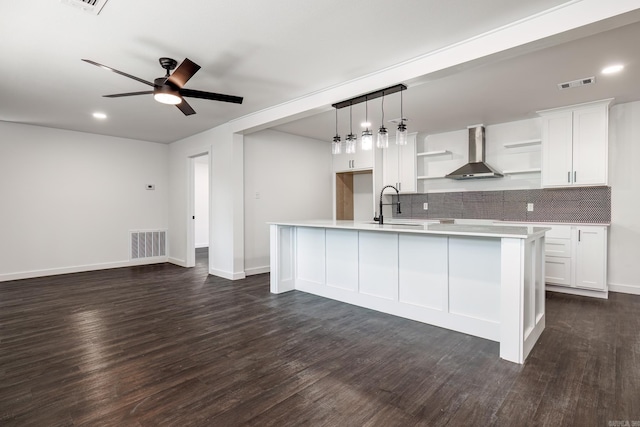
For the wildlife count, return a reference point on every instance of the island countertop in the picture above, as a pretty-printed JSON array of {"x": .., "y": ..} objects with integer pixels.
[{"x": 425, "y": 227}]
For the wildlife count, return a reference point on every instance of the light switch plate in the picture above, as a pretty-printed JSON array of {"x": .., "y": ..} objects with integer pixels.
[{"x": 425, "y": 206}]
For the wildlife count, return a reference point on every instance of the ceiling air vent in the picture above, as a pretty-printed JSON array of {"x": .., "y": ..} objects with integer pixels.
[
  {"x": 89, "y": 6},
  {"x": 576, "y": 83}
]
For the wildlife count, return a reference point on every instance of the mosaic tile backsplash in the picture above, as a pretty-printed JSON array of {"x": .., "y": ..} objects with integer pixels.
[{"x": 579, "y": 205}]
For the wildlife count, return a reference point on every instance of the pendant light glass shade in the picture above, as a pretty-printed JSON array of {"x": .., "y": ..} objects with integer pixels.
[
  {"x": 336, "y": 144},
  {"x": 383, "y": 138},
  {"x": 383, "y": 135},
  {"x": 367, "y": 135},
  {"x": 401, "y": 133},
  {"x": 350, "y": 141}
]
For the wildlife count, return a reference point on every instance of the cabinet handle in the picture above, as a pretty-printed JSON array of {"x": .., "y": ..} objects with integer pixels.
[
  {"x": 579, "y": 235},
  {"x": 569, "y": 176},
  {"x": 399, "y": 186},
  {"x": 575, "y": 176}
]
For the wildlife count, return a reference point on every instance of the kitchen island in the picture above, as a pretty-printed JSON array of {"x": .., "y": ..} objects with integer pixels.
[{"x": 483, "y": 280}]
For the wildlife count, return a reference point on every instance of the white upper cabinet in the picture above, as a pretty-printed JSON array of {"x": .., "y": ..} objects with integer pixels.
[
  {"x": 575, "y": 145},
  {"x": 353, "y": 162},
  {"x": 399, "y": 165}
]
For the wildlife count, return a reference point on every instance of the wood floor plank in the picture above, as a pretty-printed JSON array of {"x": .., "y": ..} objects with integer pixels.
[{"x": 164, "y": 345}]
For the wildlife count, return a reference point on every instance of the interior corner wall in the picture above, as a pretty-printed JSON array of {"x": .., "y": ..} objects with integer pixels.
[
  {"x": 226, "y": 195},
  {"x": 624, "y": 178},
  {"x": 70, "y": 199},
  {"x": 285, "y": 177}
]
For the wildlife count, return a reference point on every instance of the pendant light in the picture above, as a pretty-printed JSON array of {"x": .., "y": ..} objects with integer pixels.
[
  {"x": 401, "y": 134},
  {"x": 367, "y": 135},
  {"x": 383, "y": 135},
  {"x": 336, "y": 144},
  {"x": 350, "y": 141}
]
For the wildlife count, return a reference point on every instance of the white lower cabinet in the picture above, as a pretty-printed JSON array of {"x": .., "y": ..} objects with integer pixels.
[
  {"x": 591, "y": 258},
  {"x": 576, "y": 256}
]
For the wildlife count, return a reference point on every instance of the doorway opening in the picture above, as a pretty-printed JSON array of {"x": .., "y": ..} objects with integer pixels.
[{"x": 198, "y": 231}]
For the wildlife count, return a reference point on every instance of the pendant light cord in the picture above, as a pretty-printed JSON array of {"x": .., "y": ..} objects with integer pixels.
[{"x": 401, "y": 104}]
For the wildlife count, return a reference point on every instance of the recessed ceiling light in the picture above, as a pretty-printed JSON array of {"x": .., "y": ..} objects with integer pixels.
[
  {"x": 100, "y": 116},
  {"x": 611, "y": 69}
]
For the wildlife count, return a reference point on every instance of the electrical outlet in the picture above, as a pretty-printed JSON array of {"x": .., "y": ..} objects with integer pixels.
[
  {"x": 529, "y": 207},
  {"x": 425, "y": 206}
]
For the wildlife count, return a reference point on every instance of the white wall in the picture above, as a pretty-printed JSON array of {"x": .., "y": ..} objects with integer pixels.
[
  {"x": 69, "y": 199},
  {"x": 285, "y": 177},
  {"x": 624, "y": 178},
  {"x": 201, "y": 201},
  {"x": 226, "y": 253}
]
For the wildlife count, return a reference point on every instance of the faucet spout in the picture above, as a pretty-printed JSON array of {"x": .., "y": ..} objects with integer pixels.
[{"x": 380, "y": 217}]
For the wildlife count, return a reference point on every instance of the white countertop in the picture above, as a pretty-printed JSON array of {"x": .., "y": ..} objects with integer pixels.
[{"x": 425, "y": 227}]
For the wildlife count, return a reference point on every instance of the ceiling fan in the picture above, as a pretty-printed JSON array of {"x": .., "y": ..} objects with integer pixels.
[{"x": 169, "y": 89}]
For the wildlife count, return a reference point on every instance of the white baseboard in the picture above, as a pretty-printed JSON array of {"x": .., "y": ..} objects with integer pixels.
[
  {"x": 176, "y": 261},
  {"x": 227, "y": 274},
  {"x": 577, "y": 291},
  {"x": 257, "y": 270},
  {"x": 79, "y": 269},
  {"x": 625, "y": 289}
]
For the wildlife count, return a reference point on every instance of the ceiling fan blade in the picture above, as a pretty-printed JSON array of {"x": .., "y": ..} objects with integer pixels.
[
  {"x": 183, "y": 73},
  {"x": 185, "y": 108},
  {"x": 118, "y": 95},
  {"x": 210, "y": 95},
  {"x": 118, "y": 72}
]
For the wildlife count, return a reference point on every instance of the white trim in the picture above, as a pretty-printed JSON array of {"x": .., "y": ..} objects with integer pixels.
[
  {"x": 577, "y": 291},
  {"x": 176, "y": 261},
  {"x": 257, "y": 270},
  {"x": 227, "y": 274},
  {"x": 80, "y": 268},
  {"x": 202, "y": 245},
  {"x": 625, "y": 289}
]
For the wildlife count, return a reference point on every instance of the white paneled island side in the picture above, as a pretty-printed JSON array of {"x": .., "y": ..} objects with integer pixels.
[{"x": 482, "y": 280}]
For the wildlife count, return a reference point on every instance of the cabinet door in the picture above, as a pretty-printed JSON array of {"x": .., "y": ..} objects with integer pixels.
[
  {"x": 399, "y": 165},
  {"x": 591, "y": 257},
  {"x": 590, "y": 145},
  {"x": 557, "y": 150},
  {"x": 557, "y": 270},
  {"x": 390, "y": 164},
  {"x": 407, "y": 165},
  {"x": 362, "y": 159},
  {"x": 342, "y": 162}
]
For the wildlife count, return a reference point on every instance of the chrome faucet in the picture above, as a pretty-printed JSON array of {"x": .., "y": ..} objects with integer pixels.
[{"x": 380, "y": 217}]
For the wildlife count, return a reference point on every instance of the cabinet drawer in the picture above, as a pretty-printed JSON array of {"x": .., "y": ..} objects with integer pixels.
[
  {"x": 559, "y": 231},
  {"x": 557, "y": 247},
  {"x": 557, "y": 270}
]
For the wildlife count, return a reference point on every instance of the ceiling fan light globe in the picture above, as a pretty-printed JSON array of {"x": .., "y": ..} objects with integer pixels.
[{"x": 167, "y": 98}]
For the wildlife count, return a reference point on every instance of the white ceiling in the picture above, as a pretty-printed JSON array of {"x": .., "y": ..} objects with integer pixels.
[{"x": 274, "y": 51}]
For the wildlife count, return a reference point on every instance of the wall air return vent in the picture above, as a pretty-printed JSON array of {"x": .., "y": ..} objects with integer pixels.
[
  {"x": 576, "y": 83},
  {"x": 148, "y": 244},
  {"x": 89, "y": 6}
]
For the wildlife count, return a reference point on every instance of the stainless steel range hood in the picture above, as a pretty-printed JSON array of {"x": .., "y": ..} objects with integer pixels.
[{"x": 476, "y": 168}]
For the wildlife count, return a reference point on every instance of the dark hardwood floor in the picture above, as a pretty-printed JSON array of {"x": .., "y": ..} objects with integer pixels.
[{"x": 167, "y": 346}]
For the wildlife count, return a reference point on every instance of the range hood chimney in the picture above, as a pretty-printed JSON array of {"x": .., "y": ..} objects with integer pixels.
[{"x": 476, "y": 168}]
